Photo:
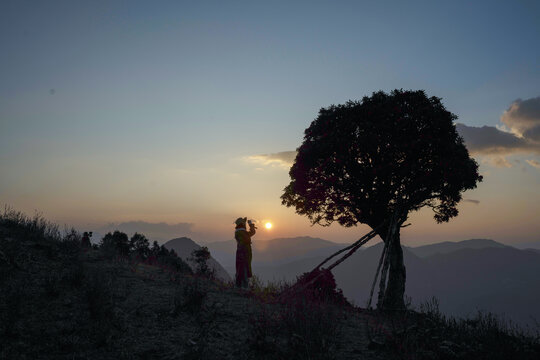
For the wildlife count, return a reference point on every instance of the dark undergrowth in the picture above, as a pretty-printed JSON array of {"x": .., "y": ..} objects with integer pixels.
[
  {"x": 429, "y": 334},
  {"x": 304, "y": 324}
]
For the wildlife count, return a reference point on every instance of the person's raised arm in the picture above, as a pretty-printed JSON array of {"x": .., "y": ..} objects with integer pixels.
[{"x": 252, "y": 229}]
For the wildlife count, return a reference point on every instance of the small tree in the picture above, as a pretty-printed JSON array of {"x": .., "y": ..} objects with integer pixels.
[
  {"x": 163, "y": 251},
  {"x": 140, "y": 244},
  {"x": 378, "y": 159},
  {"x": 155, "y": 248},
  {"x": 117, "y": 241},
  {"x": 201, "y": 257}
]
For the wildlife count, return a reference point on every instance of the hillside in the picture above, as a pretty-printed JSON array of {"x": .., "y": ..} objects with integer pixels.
[
  {"x": 59, "y": 300},
  {"x": 184, "y": 247}
]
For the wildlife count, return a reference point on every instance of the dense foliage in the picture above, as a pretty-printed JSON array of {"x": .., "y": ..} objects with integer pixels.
[{"x": 361, "y": 160}]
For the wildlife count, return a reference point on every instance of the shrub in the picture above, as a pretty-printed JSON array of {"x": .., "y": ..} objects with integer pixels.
[
  {"x": 318, "y": 286},
  {"x": 200, "y": 257},
  {"x": 140, "y": 245},
  {"x": 116, "y": 242}
]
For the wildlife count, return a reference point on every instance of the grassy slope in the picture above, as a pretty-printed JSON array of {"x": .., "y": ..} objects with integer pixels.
[{"x": 60, "y": 302}]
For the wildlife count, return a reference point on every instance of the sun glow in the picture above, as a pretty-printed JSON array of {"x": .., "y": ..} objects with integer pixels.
[{"x": 268, "y": 225}]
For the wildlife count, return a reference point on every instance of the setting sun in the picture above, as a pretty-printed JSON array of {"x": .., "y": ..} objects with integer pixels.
[{"x": 268, "y": 225}]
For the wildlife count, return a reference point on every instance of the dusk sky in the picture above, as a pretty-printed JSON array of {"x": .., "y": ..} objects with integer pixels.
[{"x": 188, "y": 113}]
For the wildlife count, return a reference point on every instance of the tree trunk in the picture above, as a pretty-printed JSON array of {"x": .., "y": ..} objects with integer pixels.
[{"x": 395, "y": 287}]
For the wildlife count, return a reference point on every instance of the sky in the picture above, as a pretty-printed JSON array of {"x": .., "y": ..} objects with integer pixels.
[{"x": 177, "y": 117}]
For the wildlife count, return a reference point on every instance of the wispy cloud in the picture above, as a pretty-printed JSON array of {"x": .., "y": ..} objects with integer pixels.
[
  {"x": 472, "y": 201},
  {"x": 282, "y": 159},
  {"x": 533, "y": 163},
  {"x": 496, "y": 161}
]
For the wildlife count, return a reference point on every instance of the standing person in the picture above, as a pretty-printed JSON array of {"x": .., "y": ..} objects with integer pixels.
[{"x": 243, "y": 251}]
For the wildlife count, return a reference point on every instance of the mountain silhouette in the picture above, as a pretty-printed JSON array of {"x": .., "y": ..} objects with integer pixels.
[
  {"x": 449, "y": 246},
  {"x": 184, "y": 247}
]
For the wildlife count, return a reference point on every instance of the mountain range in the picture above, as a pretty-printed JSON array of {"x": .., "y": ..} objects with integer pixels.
[{"x": 274, "y": 252}]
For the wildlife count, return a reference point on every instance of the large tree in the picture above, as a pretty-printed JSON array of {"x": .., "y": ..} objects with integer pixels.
[{"x": 378, "y": 159}]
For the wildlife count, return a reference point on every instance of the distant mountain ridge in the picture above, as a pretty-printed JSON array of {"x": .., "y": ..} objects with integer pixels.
[
  {"x": 184, "y": 247},
  {"x": 446, "y": 247},
  {"x": 477, "y": 274},
  {"x": 275, "y": 251}
]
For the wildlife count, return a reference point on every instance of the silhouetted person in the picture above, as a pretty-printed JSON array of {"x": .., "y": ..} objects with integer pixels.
[
  {"x": 243, "y": 251},
  {"x": 85, "y": 241}
]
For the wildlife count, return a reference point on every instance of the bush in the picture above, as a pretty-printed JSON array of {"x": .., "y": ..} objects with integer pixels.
[
  {"x": 115, "y": 243},
  {"x": 140, "y": 245},
  {"x": 200, "y": 257},
  {"x": 318, "y": 286}
]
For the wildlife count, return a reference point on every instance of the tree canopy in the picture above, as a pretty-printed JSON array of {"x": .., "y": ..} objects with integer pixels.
[{"x": 361, "y": 160}]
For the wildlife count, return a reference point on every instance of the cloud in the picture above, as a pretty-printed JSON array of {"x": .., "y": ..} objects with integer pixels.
[
  {"x": 472, "y": 201},
  {"x": 283, "y": 159},
  {"x": 519, "y": 133},
  {"x": 496, "y": 161},
  {"x": 533, "y": 163},
  {"x": 157, "y": 231},
  {"x": 523, "y": 118},
  {"x": 488, "y": 140}
]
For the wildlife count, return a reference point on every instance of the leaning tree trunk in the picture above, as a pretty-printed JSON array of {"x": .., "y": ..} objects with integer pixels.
[{"x": 393, "y": 293}]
